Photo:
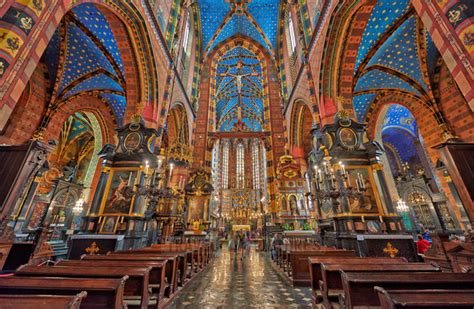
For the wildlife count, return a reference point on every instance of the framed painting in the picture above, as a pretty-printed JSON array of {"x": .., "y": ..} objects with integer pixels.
[
  {"x": 119, "y": 195},
  {"x": 109, "y": 225},
  {"x": 369, "y": 202}
]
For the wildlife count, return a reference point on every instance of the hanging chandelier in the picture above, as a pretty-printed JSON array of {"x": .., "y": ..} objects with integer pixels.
[
  {"x": 416, "y": 198},
  {"x": 402, "y": 206}
]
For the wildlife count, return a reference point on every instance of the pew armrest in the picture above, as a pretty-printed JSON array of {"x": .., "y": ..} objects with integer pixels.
[{"x": 342, "y": 300}]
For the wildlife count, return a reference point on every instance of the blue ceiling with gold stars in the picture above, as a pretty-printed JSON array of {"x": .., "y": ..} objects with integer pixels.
[
  {"x": 400, "y": 130},
  {"x": 239, "y": 63},
  {"x": 221, "y": 19},
  {"x": 384, "y": 15},
  {"x": 388, "y": 59},
  {"x": 400, "y": 117},
  {"x": 91, "y": 61}
]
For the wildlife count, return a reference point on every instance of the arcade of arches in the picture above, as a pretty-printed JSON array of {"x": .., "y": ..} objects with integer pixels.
[{"x": 339, "y": 125}]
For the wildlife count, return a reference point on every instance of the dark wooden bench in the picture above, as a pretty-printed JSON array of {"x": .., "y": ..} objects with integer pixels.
[
  {"x": 170, "y": 269},
  {"x": 157, "y": 282},
  {"x": 193, "y": 252},
  {"x": 136, "y": 287},
  {"x": 316, "y": 274},
  {"x": 101, "y": 292},
  {"x": 183, "y": 258},
  {"x": 359, "y": 287},
  {"x": 298, "y": 261},
  {"x": 331, "y": 284},
  {"x": 42, "y": 301},
  {"x": 427, "y": 299}
]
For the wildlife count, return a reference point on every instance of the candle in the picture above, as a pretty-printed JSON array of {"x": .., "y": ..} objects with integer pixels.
[
  {"x": 363, "y": 219},
  {"x": 129, "y": 179},
  {"x": 357, "y": 185},
  {"x": 349, "y": 181},
  {"x": 171, "y": 174},
  {"x": 380, "y": 218}
]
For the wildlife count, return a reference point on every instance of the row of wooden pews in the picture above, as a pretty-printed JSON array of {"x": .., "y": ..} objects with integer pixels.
[
  {"x": 355, "y": 282},
  {"x": 292, "y": 260},
  {"x": 139, "y": 278}
]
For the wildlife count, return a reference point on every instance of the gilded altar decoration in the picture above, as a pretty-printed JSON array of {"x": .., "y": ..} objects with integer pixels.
[
  {"x": 199, "y": 183},
  {"x": 287, "y": 168},
  {"x": 390, "y": 250},
  {"x": 92, "y": 249},
  {"x": 180, "y": 152}
]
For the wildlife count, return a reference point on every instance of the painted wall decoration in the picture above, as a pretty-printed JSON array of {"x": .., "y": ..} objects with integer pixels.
[
  {"x": 16, "y": 25},
  {"x": 460, "y": 14}
]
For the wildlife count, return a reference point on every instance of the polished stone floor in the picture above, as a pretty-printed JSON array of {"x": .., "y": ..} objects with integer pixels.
[{"x": 229, "y": 282}]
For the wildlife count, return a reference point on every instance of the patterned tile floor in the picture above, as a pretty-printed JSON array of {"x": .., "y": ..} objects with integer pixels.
[{"x": 231, "y": 283}]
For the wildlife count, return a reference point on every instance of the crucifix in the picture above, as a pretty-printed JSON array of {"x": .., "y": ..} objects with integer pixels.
[{"x": 238, "y": 78}]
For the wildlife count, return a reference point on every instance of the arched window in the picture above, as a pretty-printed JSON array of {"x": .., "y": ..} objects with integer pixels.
[
  {"x": 291, "y": 30},
  {"x": 225, "y": 166},
  {"x": 240, "y": 166},
  {"x": 256, "y": 165},
  {"x": 186, "y": 35},
  {"x": 215, "y": 163}
]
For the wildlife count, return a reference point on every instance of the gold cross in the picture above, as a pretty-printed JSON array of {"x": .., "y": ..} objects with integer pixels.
[
  {"x": 93, "y": 249},
  {"x": 390, "y": 250}
]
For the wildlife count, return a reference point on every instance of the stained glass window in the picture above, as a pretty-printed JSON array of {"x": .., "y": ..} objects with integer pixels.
[
  {"x": 225, "y": 166},
  {"x": 256, "y": 165},
  {"x": 186, "y": 35},
  {"x": 291, "y": 30},
  {"x": 240, "y": 166}
]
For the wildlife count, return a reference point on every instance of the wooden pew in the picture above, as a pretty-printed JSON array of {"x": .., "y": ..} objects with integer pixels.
[
  {"x": 193, "y": 252},
  {"x": 101, "y": 292},
  {"x": 183, "y": 258},
  {"x": 42, "y": 301},
  {"x": 428, "y": 299},
  {"x": 298, "y": 263},
  {"x": 157, "y": 282},
  {"x": 136, "y": 287},
  {"x": 331, "y": 283},
  {"x": 172, "y": 270},
  {"x": 359, "y": 287},
  {"x": 316, "y": 274}
]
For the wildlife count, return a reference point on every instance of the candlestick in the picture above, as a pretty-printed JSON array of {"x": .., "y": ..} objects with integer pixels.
[
  {"x": 171, "y": 174},
  {"x": 147, "y": 166}
]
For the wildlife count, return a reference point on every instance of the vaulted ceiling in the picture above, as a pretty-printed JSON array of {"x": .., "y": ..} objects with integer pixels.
[
  {"x": 83, "y": 58},
  {"x": 400, "y": 130},
  {"x": 257, "y": 19},
  {"x": 396, "y": 54},
  {"x": 239, "y": 62}
]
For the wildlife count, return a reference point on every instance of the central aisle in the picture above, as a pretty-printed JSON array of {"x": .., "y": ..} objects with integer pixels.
[{"x": 231, "y": 283}]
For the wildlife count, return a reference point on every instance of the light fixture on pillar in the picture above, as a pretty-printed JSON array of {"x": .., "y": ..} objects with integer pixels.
[{"x": 402, "y": 206}]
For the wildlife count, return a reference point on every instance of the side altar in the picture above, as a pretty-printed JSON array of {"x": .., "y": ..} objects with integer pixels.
[
  {"x": 354, "y": 208},
  {"x": 126, "y": 185}
]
